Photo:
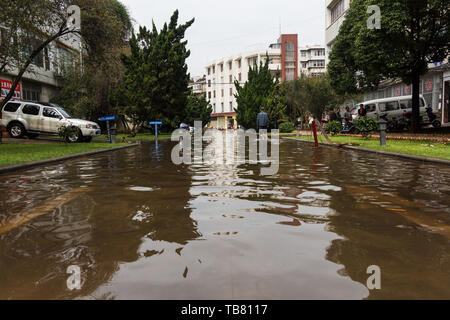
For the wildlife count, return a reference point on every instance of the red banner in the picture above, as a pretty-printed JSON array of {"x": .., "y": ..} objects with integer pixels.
[{"x": 6, "y": 87}]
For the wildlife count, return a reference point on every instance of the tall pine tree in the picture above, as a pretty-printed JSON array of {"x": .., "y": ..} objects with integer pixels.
[
  {"x": 156, "y": 77},
  {"x": 254, "y": 94}
]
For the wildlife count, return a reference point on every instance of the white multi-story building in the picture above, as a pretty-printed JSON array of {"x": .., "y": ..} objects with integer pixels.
[
  {"x": 312, "y": 60},
  {"x": 222, "y": 73},
  {"x": 198, "y": 85},
  {"x": 335, "y": 15},
  {"x": 220, "y": 77}
]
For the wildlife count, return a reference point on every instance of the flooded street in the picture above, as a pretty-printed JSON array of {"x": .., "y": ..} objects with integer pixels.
[{"x": 141, "y": 227}]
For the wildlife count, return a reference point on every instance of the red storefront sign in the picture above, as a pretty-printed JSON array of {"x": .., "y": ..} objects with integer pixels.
[{"x": 6, "y": 87}]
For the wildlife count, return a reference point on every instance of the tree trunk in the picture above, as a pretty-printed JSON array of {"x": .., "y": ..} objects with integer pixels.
[{"x": 415, "y": 114}]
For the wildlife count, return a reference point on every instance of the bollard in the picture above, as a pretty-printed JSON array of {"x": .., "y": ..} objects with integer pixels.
[
  {"x": 314, "y": 128},
  {"x": 382, "y": 125},
  {"x": 113, "y": 132}
]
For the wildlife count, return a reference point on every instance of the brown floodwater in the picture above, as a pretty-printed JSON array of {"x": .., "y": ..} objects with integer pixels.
[{"x": 141, "y": 227}]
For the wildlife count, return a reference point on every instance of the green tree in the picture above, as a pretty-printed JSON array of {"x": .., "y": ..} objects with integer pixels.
[
  {"x": 156, "y": 77},
  {"x": 275, "y": 105},
  {"x": 27, "y": 28},
  {"x": 292, "y": 91},
  {"x": 253, "y": 94},
  {"x": 413, "y": 34},
  {"x": 92, "y": 91},
  {"x": 317, "y": 94},
  {"x": 198, "y": 108}
]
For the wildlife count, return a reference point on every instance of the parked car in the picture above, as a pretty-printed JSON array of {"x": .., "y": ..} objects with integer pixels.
[
  {"x": 393, "y": 107},
  {"x": 28, "y": 118}
]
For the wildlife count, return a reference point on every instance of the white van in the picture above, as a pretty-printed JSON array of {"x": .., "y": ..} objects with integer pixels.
[
  {"x": 393, "y": 107},
  {"x": 33, "y": 118}
]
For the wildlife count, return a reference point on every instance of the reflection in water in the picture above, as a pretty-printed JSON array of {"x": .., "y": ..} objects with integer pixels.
[{"x": 145, "y": 228}]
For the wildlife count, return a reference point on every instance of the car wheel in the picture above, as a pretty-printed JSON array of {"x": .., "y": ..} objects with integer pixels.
[
  {"x": 77, "y": 137},
  {"x": 436, "y": 124},
  {"x": 16, "y": 130}
]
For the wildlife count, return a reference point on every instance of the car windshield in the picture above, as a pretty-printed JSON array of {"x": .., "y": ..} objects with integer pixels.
[{"x": 64, "y": 112}]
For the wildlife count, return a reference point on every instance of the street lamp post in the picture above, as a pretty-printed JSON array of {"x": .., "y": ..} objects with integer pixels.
[{"x": 382, "y": 125}]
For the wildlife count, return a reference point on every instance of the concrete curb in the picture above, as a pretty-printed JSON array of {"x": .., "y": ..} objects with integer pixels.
[
  {"x": 386, "y": 153},
  {"x": 32, "y": 164}
]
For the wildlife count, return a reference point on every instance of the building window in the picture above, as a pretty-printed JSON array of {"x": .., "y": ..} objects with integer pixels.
[
  {"x": 231, "y": 78},
  {"x": 209, "y": 71},
  {"x": 239, "y": 77},
  {"x": 290, "y": 74},
  {"x": 214, "y": 93},
  {"x": 31, "y": 92},
  {"x": 289, "y": 46},
  {"x": 303, "y": 53},
  {"x": 222, "y": 107},
  {"x": 214, "y": 69},
  {"x": 209, "y": 83},
  {"x": 239, "y": 63},
  {"x": 221, "y": 67},
  {"x": 222, "y": 92},
  {"x": 337, "y": 10},
  {"x": 209, "y": 95},
  {"x": 231, "y": 106},
  {"x": 214, "y": 107},
  {"x": 230, "y": 65},
  {"x": 231, "y": 91}
]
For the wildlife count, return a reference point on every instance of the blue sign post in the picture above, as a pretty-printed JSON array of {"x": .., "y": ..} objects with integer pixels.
[
  {"x": 108, "y": 130},
  {"x": 156, "y": 124}
]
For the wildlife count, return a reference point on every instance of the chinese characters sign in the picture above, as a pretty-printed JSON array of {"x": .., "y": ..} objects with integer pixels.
[{"x": 6, "y": 87}]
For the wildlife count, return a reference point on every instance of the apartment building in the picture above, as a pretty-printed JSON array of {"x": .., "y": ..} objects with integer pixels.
[
  {"x": 198, "y": 85},
  {"x": 312, "y": 60},
  {"x": 221, "y": 74},
  {"x": 334, "y": 16},
  {"x": 46, "y": 74}
]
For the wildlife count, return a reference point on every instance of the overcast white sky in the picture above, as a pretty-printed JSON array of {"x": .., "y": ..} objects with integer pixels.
[{"x": 227, "y": 27}]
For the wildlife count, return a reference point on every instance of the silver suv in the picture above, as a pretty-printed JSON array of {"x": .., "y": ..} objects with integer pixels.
[{"x": 33, "y": 118}]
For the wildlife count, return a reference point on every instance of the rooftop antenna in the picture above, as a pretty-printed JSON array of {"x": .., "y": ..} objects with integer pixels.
[{"x": 279, "y": 22}]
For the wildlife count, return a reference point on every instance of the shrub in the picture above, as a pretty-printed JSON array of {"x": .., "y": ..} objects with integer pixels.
[
  {"x": 333, "y": 127},
  {"x": 67, "y": 132},
  {"x": 286, "y": 127},
  {"x": 366, "y": 126}
]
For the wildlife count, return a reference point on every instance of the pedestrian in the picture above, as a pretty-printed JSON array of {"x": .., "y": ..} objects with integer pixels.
[
  {"x": 362, "y": 112},
  {"x": 332, "y": 115},
  {"x": 262, "y": 120},
  {"x": 338, "y": 115},
  {"x": 347, "y": 118}
]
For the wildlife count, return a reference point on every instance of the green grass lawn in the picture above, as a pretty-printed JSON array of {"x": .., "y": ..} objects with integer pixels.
[
  {"x": 418, "y": 148},
  {"x": 11, "y": 154},
  {"x": 139, "y": 136}
]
